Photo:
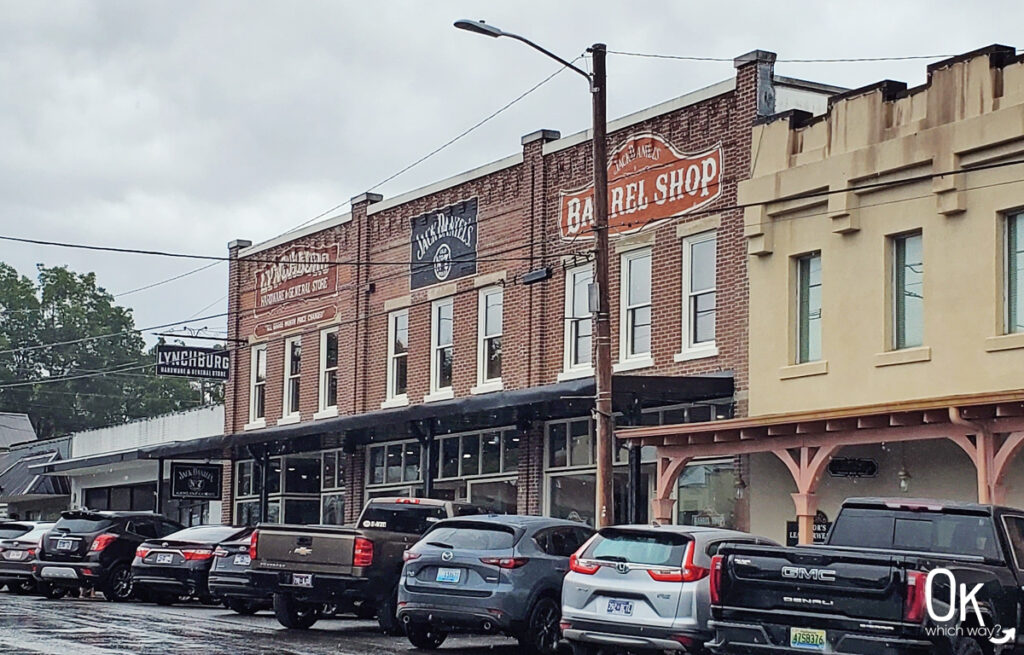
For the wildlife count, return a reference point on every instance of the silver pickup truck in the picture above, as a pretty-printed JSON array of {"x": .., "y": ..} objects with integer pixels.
[{"x": 355, "y": 567}]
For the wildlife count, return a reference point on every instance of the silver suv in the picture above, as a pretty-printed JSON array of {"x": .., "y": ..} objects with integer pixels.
[{"x": 643, "y": 587}]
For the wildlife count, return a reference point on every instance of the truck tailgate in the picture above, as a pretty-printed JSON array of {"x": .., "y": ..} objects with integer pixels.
[
  {"x": 793, "y": 583},
  {"x": 305, "y": 548}
]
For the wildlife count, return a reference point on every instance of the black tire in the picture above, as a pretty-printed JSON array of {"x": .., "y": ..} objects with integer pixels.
[
  {"x": 295, "y": 615},
  {"x": 22, "y": 587},
  {"x": 243, "y": 607},
  {"x": 969, "y": 646},
  {"x": 424, "y": 637},
  {"x": 584, "y": 649},
  {"x": 120, "y": 585},
  {"x": 53, "y": 592},
  {"x": 386, "y": 619},
  {"x": 542, "y": 633},
  {"x": 365, "y": 611}
]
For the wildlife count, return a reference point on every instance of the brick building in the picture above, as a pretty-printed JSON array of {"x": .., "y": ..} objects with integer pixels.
[{"x": 438, "y": 343}]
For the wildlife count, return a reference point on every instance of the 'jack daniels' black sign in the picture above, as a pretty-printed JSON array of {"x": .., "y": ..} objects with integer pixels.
[
  {"x": 197, "y": 481},
  {"x": 444, "y": 244}
]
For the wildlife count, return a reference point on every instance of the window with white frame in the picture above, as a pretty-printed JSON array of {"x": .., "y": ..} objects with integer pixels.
[
  {"x": 441, "y": 345},
  {"x": 699, "y": 301},
  {"x": 907, "y": 291},
  {"x": 1014, "y": 271},
  {"x": 398, "y": 354},
  {"x": 480, "y": 467},
  {"x": 578, "y": 318},
  {"x": 489, "y": 331},
  {"x": 292, "y": 375},
  {"x": 332, "y": 480},
  {"x": 329, "y": 369},
  {"x": 393, "y": 463},
  {"x": 258, "y": 383},
  {"x": 808, "y": 309},
  {"x": 635, "y": 312},
  {"x": 293, "y": 490}
]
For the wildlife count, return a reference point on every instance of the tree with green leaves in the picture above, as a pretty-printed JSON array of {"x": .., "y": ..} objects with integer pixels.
[{"x": 71, "y": 358}]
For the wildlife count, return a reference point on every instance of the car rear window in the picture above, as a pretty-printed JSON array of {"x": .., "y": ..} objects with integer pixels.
[
  {"x": 83, "y": 524},
  {"x": 37, "y": 533},
  {"x": 410, "y": 519},
  {"x": 471, "y": 537},
  {"x": 657, "y": 548},
  {"x": 12, "y": 530},
  {"x": 930, "y": 532},
  {"x": 206, "y": 534}
]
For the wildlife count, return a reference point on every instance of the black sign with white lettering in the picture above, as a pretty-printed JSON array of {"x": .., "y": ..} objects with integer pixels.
[
  {"x": 192, "y": 362},
  {"x": 821, "y": 527},
  {"x": 852, "y": 467},
  {"x": 196, "y": 481},
  {"x": 444, "y": 244}
]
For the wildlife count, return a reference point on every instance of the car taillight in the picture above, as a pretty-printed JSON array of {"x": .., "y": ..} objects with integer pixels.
[
  {"x": 220, "y": 552},
  {"x": 505, "y": 562},
  {"x": 913, "y": 607},
  {"x": 362, "y": 553},
  {"x": 197, "y": 553},
  {"x": 141, "y": 552},
  {"x": 579, "y": 566},
  {"x": 686, "y": 573},
  {"x": 253, "y": 540},
  {"x": 31, "y": 552},
  {"x": 101, "y": 542},
  {"x": 715, "y": 583},
  {"x": 408, "y": 556},
  {"x": 407, "y": 501}
]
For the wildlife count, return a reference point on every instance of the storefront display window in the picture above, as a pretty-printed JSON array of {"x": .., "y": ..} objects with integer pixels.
[{"x": 707, "y": 495}]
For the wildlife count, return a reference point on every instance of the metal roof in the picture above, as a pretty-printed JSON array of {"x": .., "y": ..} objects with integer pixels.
[{"x": 15, "y": 428}]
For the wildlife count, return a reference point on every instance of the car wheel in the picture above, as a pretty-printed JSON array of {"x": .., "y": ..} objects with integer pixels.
[
  {"x": 421, "y": 635},
  {"x": 243, "y": 607},
  {"x": 295, "y": 615},
  {"x": 386, "y": 618},
  {"x": 542, "y": 632},
  {"x": 22, "y": 587},
  {"x": 119, "y": 584},
  {"x": 53, "y": 592}
]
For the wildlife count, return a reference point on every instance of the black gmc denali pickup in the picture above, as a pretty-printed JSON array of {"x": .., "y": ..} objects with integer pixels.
[{"x": 894, "y": 576}]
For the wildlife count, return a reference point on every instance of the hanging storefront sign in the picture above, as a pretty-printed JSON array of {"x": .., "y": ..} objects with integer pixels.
[
  {"x": 195, "y": 481},
  {"x": 297, "y": 274},
  {"x": 852, "y": 467},
  {"x": 192, "y": 362},
  {"x": 649, "y": 180},
  {"x": 444, "y": 244},
  {"x": 821, "y": 527},
  {"x": 304, "y": 318}
]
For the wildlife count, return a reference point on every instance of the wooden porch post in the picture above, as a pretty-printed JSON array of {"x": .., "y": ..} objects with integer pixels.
[
  {"x": 662, "y": 505},
  {"x": 806, "y": 472}
]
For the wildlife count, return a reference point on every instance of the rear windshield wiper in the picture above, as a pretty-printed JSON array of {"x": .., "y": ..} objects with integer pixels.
[{"x": 439, "y": 544}]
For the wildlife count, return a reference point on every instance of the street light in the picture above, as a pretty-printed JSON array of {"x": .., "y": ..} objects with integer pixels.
[{"x": 602, "y": 327}]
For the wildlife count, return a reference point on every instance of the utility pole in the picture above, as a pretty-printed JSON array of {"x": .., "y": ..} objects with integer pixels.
[{"x": 604, "y": 432}]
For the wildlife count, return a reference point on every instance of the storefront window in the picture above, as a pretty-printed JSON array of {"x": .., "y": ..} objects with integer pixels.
[
  {"x": 333, "y": 509},
  {"x": 471, "y": 454},
  {"x": 248, "y": 513},
  {"x": 394, "y": 463},
  {"x": 450, "y": 458},
  {"x": 329, "y": 477},
  {"x": 707, "y": 495},
  {"x": 572, "y": 497},
  {"x": 490, "y": 458},
  {"x": 301, "y": 512},
  {"x": 557, "y": 447},
  {"x": 498, "y": 496},
  {"x": 302, "y": 475},
  {"x": 510, "y": 450}
]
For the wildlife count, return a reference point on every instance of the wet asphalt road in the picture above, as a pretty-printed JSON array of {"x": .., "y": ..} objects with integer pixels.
[{"x": 30, "y": 625}]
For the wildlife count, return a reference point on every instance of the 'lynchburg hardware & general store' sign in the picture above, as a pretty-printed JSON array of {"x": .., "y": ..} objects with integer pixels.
[
  {"x": 649, "y": 180},
  {"x": 298, "y": 274},
  {"x": 444, "y": 244},
  {"x": 191, "y": 362}
]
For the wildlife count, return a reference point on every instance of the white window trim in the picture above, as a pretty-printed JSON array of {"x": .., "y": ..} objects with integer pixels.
[
  {"x": 436, "y": 392},
  {"x": 368, "y": 466},
  {"x": 479, "y": 434},
  {"x": 286, "y": 416},
  {"x": 689, "y": 351},
  {"x": 570, "y": 372},
  {"x": 626, "y": 361},
  {"x": 1007, "y": 327},
  {"x": 395, "y": 400},
  {"x": 325, "y": 410},
  {"x": 483, "y": 384},
  {"x": 254, "y": 422}
]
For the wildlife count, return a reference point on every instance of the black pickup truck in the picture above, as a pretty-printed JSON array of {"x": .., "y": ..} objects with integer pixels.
[
  {"x": 355, "y": 568},
  {"x": 894, "y": 576}
]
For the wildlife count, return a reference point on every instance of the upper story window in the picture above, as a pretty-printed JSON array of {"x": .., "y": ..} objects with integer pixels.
[
  {"x": 489, "y": 331},
  {"x": 258, "y": 383},
  {"x": 699, "y": 298},
  {"x": 398, "y": 354},
  {"x": 907, "y": 291},
  {"x": 329, "y": 369},
  {"x": 635, "y": 321},
  {"x": 292, "y": 374},
  {"x": 1014, "y": 290},
  {"x": 808, "y": 325},
  {"x": 442, "y": 345},
  {"x": 578, "y": 318}
]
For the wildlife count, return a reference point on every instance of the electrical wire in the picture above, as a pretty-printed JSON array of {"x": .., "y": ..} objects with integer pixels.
[
  {"x": 170, "y": 279},
  {"x": 837, "y": 60}
]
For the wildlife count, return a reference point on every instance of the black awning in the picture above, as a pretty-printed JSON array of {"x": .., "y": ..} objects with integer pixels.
[
  {"x": 553, "y": 401},
  {"x": 23, "y": 478}
]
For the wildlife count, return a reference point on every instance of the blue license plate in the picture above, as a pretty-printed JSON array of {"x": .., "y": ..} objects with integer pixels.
[
  {"x": 448, "y": 575},
  {"x": 620, "y": 607},
  {"x": 807, "y": 639}
]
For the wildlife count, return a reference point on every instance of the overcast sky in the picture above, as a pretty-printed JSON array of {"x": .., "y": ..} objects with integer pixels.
[{"x": 183, "y": 125}]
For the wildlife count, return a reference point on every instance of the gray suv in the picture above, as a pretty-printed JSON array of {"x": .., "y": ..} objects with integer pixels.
[
  {"x": 643, "y": 587},
  {"x": 488, "y": 574}
]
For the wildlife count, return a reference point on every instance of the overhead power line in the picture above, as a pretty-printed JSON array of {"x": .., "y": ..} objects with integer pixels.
[{"x": 837, "y": 60}]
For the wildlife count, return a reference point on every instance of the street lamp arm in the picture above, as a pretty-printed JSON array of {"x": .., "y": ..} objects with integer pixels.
[{"x": 543, "y": 50}]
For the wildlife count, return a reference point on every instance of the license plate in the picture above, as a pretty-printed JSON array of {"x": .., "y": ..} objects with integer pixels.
[
  {"x": 620, "y": 607},
  {"x": 164, "y": 558},
  {"x": 302, "y": 579},
  {"x": 807, "y": 639},
  {"x": 14, "y": 554},
  {"x": 448, "y": 575},
  {"x": 242, "y": 560},
  {"x": 65, "y": 544}
]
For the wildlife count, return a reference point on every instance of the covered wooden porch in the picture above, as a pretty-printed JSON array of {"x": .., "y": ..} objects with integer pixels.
[{"x": 988, "y": 427}]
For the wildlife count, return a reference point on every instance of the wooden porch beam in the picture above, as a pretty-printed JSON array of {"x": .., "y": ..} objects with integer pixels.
[
  {"x": 1009, "y": 409},
  {"x": 840, "y": 424},
  {"x": 905, "y": 418},
  {"x": 810, "y": 427},
  {"x": 933, "y": 416},
  {"x": 876, "y": 421}
]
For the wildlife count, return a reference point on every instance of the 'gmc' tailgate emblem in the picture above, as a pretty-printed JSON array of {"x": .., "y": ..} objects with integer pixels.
[{"x": 800, "y": 573}]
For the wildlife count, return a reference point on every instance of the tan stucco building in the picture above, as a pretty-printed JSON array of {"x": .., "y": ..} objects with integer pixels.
[{"x": 886, "y": 272}]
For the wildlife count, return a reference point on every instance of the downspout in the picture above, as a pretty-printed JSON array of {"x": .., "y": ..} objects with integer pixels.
[{"x": 983, "y": 451}]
